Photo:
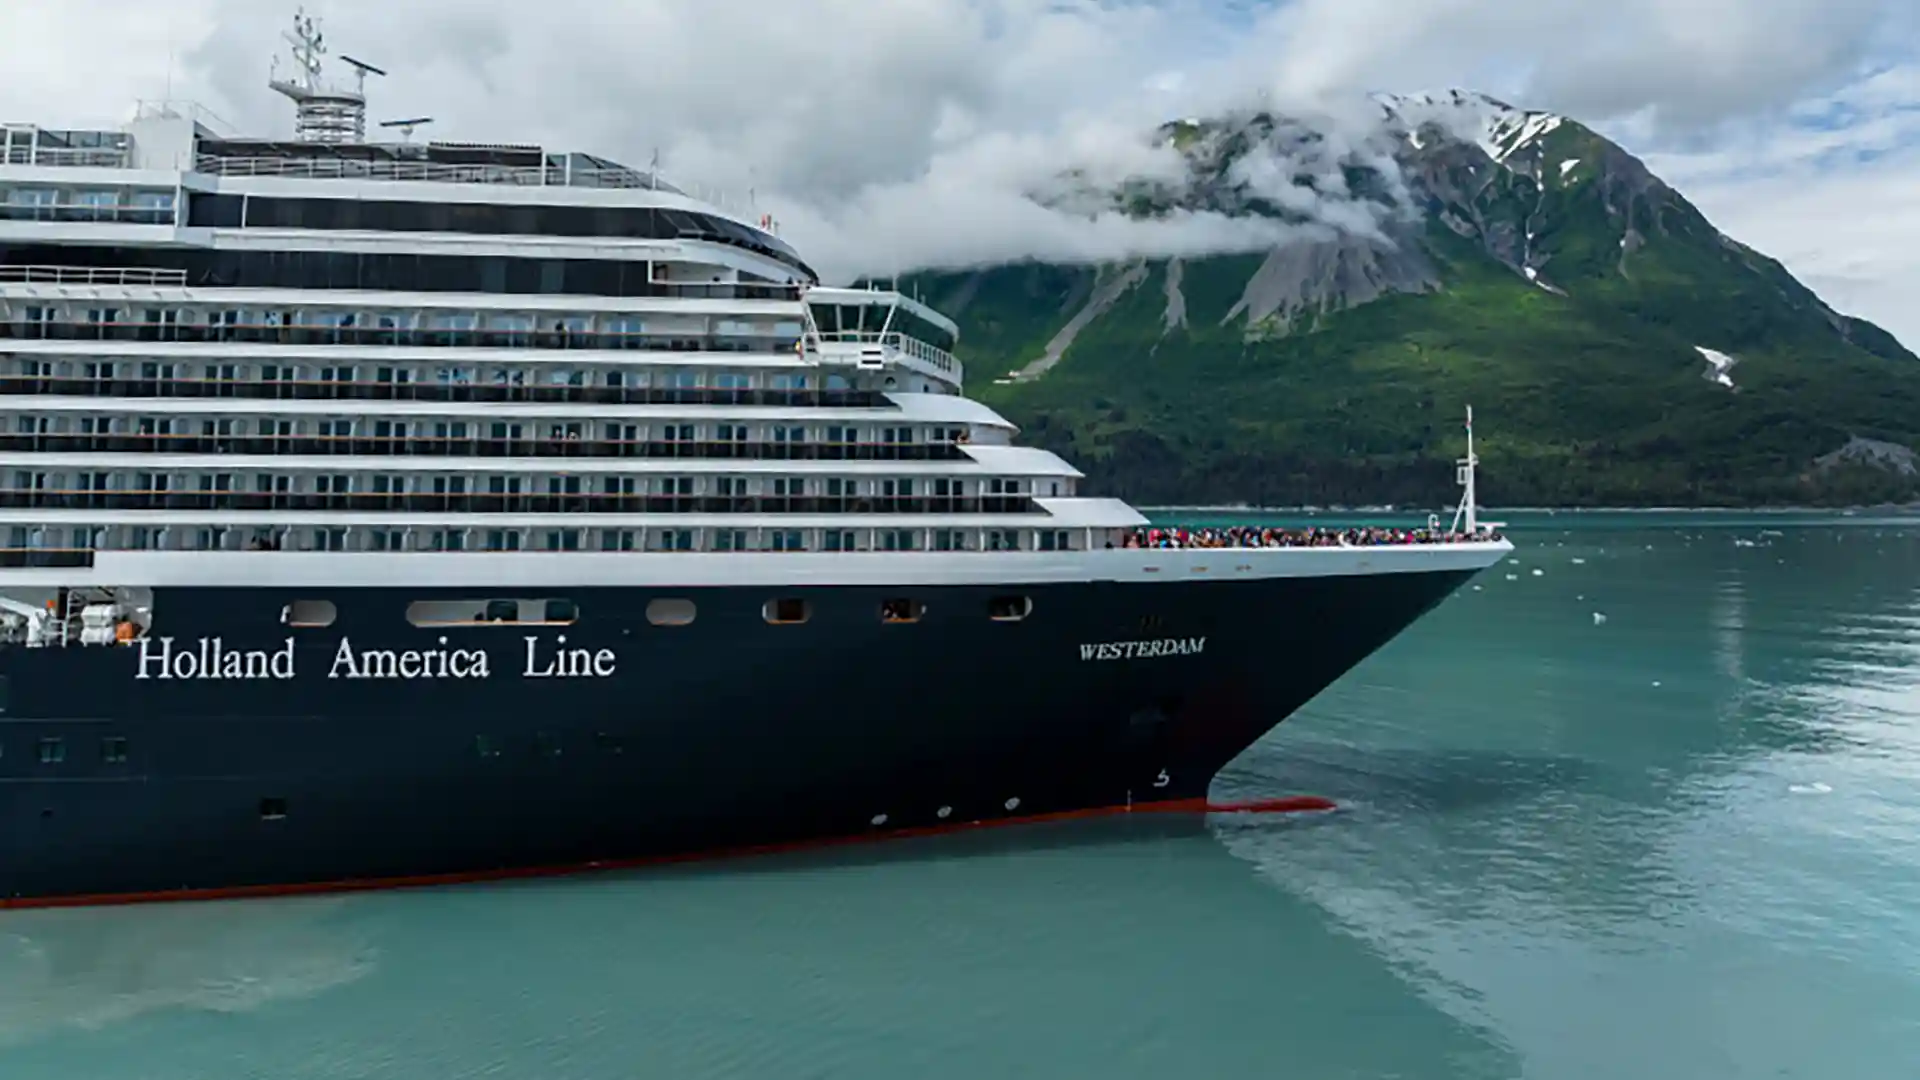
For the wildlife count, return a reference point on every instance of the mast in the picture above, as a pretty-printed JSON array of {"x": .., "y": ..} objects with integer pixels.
[
  {"x": 1468, "y": 513},
  {"x": 323, "y": 113},
  {"x": 1471, "y": 498}
]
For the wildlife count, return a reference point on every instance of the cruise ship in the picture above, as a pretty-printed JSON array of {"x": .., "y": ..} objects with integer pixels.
[{"x": 383, "y": 511}]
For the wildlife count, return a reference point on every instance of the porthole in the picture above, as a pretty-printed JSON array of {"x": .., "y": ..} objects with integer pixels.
[
  {"x": 786, "y": 611},
  {"x": 1009, "y": 608},
  {"x": 900, "y": 609},
  {"x": 670, "y": 612},
  {"x": 309, "y": 613},
  {"x": 493, "y": 612}
]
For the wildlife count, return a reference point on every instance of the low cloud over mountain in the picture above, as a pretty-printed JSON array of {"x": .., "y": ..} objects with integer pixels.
[{"x": 911, "y": 132}]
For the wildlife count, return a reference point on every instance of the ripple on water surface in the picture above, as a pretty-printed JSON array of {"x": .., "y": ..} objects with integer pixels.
[{"x": 1676, "y": 843}]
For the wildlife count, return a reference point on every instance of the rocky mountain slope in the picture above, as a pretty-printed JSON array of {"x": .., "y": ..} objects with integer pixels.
[{"x": 1617, "y": 348}]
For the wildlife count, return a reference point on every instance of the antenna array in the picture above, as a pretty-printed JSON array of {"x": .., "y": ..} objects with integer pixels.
[{"x": 323, "y": 112}]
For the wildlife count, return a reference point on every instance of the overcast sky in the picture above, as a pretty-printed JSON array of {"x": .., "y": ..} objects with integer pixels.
[{"x": 903, "y": 131}]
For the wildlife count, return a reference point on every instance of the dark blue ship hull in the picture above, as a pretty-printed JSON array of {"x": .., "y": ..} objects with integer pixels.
[{"x": 632, "y": 740}]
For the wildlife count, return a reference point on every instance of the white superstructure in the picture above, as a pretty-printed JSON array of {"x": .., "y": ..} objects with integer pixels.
[{"x": 323, "y": 344}]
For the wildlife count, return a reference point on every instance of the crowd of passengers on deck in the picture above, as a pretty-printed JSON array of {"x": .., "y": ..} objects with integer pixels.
[{"x": 1253, "y": 536}]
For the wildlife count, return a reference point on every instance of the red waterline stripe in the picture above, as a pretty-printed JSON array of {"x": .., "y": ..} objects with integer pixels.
[{"x": 1291, "y": 804}]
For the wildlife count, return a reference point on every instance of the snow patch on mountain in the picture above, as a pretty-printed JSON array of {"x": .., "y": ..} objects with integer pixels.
[
  {"x": 1533, "y": 275},
  {"x": 1496, "y": 127},
  {"x": 1719, "y": 364},
  {"x": 1507, "y": 133}
]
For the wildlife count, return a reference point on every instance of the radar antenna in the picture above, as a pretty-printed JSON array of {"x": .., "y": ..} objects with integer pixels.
[
  {"x": 361, "y": 69},
  {"x": 405, "y": 127}
]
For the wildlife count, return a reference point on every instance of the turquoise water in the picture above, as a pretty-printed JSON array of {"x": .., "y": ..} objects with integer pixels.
[{"x": 1677, "y": 843}]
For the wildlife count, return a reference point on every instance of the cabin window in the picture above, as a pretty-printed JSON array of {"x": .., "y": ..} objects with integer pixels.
[
  {"x": 670, "y": 612},
  {"x": 901, "y": 610},
  {"x": 786, "y": 611},
  {"x": 310, "y": 613},
  {"x": 1009, "y": 608},
  {"x": 113, "y": 749},
  {"x": 52, "y": 751},
  {"x": 557, "y": 611},
  {"x": 273, "y": 809}
]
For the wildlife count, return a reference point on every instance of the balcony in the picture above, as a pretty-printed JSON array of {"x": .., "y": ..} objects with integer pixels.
[
  {"x": 474, "y": 502},
  {"x": 123, "y": 394},
  {"x": 470, "y": 446},
  {"x": 84, "y": 275}
]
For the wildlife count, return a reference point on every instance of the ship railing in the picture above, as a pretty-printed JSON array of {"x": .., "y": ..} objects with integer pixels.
[
  {"x": 309, "y": 329},
  {"x": 350, "y": 169},
  {"x": 166, "y": 108},
  {"x": 70, "y": 329},
  {"x": 105, "y": 385},
  {"x": 89, "y": 275},
  {"x": 470, "y": 447},
  {"x": 1241, "y": 537},
  {"x": 91, "y": 213},
  {"x": 932, "y": 355},
  {"x": 441, "y": 172},
  {"x": 45, "y": 558},
  {"x": 480, "y": 502},
  {"x": 56, "y": 157}
]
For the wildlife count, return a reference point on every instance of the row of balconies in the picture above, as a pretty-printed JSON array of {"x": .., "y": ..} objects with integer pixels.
[
  {"x": 457, "y": 393},
  {"x": 423, "y": 337},
  {"x": 489, "y": 503},
  {"x": 417, "y": 446}
]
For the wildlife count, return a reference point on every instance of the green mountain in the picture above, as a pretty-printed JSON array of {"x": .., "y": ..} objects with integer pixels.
[{"x": 1617, "y": 349}]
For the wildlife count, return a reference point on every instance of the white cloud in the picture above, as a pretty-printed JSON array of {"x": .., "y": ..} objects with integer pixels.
[
  {"x": 1834, "y": 195},
  {"x": 895, "y": 132},
  {"x": 1854, "y": 237}
]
